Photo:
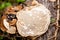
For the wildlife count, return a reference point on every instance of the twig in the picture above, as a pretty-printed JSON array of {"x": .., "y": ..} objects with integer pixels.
[{"x": 57, "y": 25}]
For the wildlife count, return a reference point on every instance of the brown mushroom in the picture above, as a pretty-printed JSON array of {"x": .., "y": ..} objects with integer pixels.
[
  {"x": 2, "y": 27},
  {"x": 8, "y": 21},
  {"x": 13, "y": 22},
  {"x": 13, "y": 9},
  {"x": 5, "y": 27},
  {"x": 10, "y": 29}
]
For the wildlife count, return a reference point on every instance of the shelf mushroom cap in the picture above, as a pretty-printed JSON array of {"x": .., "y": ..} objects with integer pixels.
[
  {"x": 33, "y": 20},
  {"x": 10, "y": 29}
]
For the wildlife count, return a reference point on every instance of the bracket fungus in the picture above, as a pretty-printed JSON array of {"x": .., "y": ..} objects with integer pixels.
[
  {"x": 30, "y": 21},
  {"x": 33, "y": 20},
  {"x": 9, "y": 29},
  {"x": 8, "y": 20}
]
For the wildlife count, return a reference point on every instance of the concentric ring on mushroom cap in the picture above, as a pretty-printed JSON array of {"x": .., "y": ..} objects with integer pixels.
[{"x": 33, "y": 20}]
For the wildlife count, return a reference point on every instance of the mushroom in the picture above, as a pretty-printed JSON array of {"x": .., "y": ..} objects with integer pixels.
[
  {"x": 8, "y": 21},
  {"x": 4, "y": 26},
  {"x": 33, "y": 20},
  {"x": 10, "y": 29}
]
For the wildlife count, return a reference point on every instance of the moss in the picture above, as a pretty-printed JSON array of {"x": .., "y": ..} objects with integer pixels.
[
  {"x": 1, "y": 37},
  {"x": 20, "y": 1}
]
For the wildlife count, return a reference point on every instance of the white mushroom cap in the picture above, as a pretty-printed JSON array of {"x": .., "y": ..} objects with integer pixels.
[
  {"x": 10, "y": 29},
  {"x": 33, "y": 20}
]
